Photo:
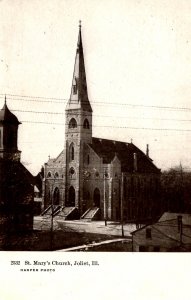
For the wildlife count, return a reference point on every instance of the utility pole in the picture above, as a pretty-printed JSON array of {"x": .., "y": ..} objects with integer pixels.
[
  {"x": 51, "y": 229},
  {"x": 180, "y": 227},
  {"x": 52, "y": 220},
  {"x": 104, "y": 199},
  {"x": 122, "y": 198},
  {"x": 181, "y": 206}
]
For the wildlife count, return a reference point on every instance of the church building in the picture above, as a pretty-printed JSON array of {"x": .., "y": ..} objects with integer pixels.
[
  {"x": 95, "y": 178},
  {"x": 16, "y": 182}
]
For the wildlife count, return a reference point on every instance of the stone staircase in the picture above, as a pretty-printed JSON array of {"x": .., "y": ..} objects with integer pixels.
[
  {"x": 91, "y": 214},
  {"x": 68, "y": 213},
  {"x": 49, "y": 210}
]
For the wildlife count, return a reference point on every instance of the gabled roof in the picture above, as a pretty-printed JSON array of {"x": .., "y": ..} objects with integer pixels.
[
  {"x": 108, "y": 149},
  {"x": 26, "y": 172},
  {"x": 167, "y": 229},
  {"x": 14, "y": 171},
  {"x": 168, "y": 216},
  {"x": 58, "y": 159}
]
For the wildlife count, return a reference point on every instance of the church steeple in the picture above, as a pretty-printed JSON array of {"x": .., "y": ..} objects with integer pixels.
[{"x": 79, "y": 94}]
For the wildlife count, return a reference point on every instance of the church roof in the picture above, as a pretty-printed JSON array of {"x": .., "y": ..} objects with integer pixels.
[
  {"x": 6, "y": 116},
  {"x": 16, "y": 184},
  {"x": 14, "y": 172},
  {"x": 108, "y": 149},
  {"x": 79, "y": 94}
]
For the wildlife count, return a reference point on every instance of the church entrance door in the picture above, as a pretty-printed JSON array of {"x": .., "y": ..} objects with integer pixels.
[
  {"x": 96, "y": 198},
  {"x": 56, "y": 197},
  {"x": 71, "y": 197}
]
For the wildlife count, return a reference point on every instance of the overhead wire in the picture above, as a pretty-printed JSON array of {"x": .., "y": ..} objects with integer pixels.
[
  {"x": 101, "y": 116},
  {"x": 119, "y": 127},
  {"x": 60, "y": 100},
  {"x": 37, "y": 98}
]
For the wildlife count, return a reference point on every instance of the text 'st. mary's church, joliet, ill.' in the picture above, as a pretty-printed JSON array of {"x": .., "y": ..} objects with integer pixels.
[{"x": 96, "y": 178}]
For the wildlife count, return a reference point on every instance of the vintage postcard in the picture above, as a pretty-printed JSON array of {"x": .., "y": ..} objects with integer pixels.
[{"x": 95, "y": 149}]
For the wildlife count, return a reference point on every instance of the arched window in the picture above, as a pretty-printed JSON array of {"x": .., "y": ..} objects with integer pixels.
[
  {"x": 71, "y": 152},
  {"x": 49, "y": 174},
  {"x": 75, "y": 86},
  {"x": 72, "y": 123},
  {"x": 72, "y": 172},
  {"x": 86, "y": 124},
  {"x": 56, "y": 175},
  {"x": 88, "y": 159}
]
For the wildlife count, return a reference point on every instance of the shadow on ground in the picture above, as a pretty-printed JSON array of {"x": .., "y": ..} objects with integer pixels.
[{"x": 51, "y": 241}]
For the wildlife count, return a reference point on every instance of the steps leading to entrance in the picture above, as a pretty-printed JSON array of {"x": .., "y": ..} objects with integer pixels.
[
  {"x": 57, "y": 210},
  {"x": 68, "y": 213},
  {"x": 91, "y": 214},
  {"x": 48, "y": 211},
  {"x": 86, "y": 212}
]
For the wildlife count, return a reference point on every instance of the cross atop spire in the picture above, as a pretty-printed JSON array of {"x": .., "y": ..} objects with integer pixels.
[{"x": 79, "y": 94}]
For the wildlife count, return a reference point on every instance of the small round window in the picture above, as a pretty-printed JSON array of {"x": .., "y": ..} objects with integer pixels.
[
  {"x": 72, "y": 172},
  {"x": 106, "y": 175}
]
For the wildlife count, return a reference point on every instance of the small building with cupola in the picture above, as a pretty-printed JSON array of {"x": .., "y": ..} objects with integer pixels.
[{"x": 16, "y": 182}]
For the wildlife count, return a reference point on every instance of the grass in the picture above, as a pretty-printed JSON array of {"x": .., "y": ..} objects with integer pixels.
[{"x": 46, "y": 241}]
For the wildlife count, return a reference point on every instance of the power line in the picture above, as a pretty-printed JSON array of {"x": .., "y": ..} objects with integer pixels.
[
  {"x": 110, "y": 126},
  {"x": 104, "y": 126},
  {"x": 38, "y": 112},
  {"x": 34, "y": 97},
  {"x": 100, "y": 116},
  {"x": 61, "y": 100}
]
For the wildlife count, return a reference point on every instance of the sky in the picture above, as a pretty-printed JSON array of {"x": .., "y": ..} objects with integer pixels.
[{"x": 138, "y": 68}]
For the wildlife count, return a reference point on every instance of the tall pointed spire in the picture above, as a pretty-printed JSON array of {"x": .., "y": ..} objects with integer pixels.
[{"x": 79, "y": 94}]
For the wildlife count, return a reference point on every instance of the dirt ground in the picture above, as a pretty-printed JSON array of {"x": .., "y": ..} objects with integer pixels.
[{"x": 47, "y": 241}]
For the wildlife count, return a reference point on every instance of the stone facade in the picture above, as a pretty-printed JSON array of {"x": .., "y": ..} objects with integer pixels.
[{"x": 88, "y": 172}]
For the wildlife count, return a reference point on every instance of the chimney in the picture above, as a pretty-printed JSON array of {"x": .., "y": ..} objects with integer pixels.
[
  {"x": 179, "y": 220},
  {"x": 147, "y": 150},
  {"x": 135, "y": 162}
]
